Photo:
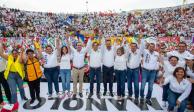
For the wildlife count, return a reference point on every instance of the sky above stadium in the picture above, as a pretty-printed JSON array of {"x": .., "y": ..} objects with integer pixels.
[{"x": 75, "y": 6}]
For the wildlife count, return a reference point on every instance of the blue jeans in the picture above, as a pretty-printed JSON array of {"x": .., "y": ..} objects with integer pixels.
[
  {"x": 172, "y": 98},
  {"x": 66, "y": 78},
  {"x": 133, "y": 75},
  {"x": 165, "y": 92},
  {"x": 52, "y": 75},
  {"x": 147, "y": 75},
  {"x": 95, "y": 72},
  {"x": 15, "y": 80},
  {"x": 120, "y": 77}
]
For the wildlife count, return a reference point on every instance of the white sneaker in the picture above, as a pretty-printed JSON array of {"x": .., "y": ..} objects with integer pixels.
[
  {"x": 122, "y": 98},
  {"x": 50, "y": 96},
  {"x": 58, "y": 94},
  {"x": 164, "y": 104},
  {"x": 8, "y": 106},
  {"x": 69, "y": 94},
  {"x": 118, "y": 98}
]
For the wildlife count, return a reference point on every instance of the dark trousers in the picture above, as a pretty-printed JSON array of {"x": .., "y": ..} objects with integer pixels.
[
  {"x": 52, "y": 75},
  {"x": 108, "y": 78},
  {"x": 165, "y": 93},
  {"x": 5, "y": 85},
  {"x": 34, "y": 87},
  {"x": 191, "y": 96},
  {"x": 120, "y": 77},
  {"x": 95, "y": 72}
]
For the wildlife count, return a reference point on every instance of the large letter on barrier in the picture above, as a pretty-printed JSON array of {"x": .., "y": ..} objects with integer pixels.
[
  {"x": 101, "y": 106},
  {"x": 79, "y": 105},
  {"x": 120, "y": 105},
  {"x": 29, "y": 107}
]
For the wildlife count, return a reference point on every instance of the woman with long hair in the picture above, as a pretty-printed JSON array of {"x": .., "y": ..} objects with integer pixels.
[{"x": 65, "y": 69}]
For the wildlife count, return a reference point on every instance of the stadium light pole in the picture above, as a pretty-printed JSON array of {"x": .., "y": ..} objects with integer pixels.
[
  {"x": 87, "y": 6},
  {"x": 182, "y": 7}
]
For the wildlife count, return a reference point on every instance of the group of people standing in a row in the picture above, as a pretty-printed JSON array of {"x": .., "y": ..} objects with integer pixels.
[{"x": 125, "y": 60}]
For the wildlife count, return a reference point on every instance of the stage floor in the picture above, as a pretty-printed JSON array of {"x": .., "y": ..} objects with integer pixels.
[{"x": 106, "y": 103}]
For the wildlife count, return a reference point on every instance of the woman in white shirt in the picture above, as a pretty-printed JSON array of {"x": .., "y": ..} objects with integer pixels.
[
  {"x": 65, "y": 69},
  {"x": 189, "y": 67},
  {"x": 179, "y": 91},
  {"x": 120, "y": 67}
]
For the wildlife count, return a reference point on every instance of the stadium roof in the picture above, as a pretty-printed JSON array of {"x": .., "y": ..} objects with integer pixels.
[{"x": 76, "y": 6}]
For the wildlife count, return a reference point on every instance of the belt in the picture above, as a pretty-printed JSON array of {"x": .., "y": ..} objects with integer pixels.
[
  {"x": 95, "y": 67},
  {"x": 132, "y": 68},
  {"x": 13, "y": 72},
  {"x": 78, "y": 68},
  {"x": 107, "y": 67},
  {"x": 147, "y": 69}
]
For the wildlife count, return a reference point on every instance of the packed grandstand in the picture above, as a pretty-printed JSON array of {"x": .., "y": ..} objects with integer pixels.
[{"x": 161, "y": 22}]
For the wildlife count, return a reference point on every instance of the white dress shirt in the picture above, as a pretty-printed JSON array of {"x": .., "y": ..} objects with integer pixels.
[
  {"x": 120, "y": 62},
  {"x": 50, "y": 59},
  {"x": 95, "y": 58},
  {"x": 134, "y": 59},
  {"x": 184, "y": 87},
  {"x": 2, "y": 64},
  {"x": 78, "y": 57},
  {"x": 65, "y": 62},
  {"x": 169, "y": 69},
  {"x": 190, "y": 72},
  {"x": 108, "y": 57},
  {"x": 150, "y": 60}
]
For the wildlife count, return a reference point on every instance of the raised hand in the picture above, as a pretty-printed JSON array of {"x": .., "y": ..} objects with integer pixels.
[{"x": 22, "y": 49}]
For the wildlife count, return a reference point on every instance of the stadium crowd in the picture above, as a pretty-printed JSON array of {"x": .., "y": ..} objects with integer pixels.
[{"x": 172, "y": 21}]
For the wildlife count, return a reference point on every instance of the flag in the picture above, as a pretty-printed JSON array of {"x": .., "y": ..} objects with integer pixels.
[
  {"x": 80, "y": 36},
  {"x": 51, "y": 41},
  {"x": 68, "y": 20}
]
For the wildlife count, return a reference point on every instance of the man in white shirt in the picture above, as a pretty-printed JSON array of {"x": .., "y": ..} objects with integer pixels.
[
  {"x": 181, "y": 53},
  {"x": 78, "y": 56},
  {"x": 133, "y": 64},
  {"x": 95, "y": 61},
  {"x": 51, "y": 69},
  {"x": 149, "y": 67},
  {"x": 3, "y": 82},
  {"x": 108, "y": 63}
]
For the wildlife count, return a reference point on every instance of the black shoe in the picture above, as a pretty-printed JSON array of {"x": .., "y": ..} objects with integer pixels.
[
  {"x": 81, "y": 95},
  {"x": 74, "y": 96},
  {"x": 98, "y": 95},
  {"x": 104, "y": 94},
  {"x": 111, "y": 94},
  {"x": 136, "y": 101},
  {"x": 39, "y": 99},
  {"x": 148, "y": 101},
  {"x": 141, "y": 100},
  {"x": 129, "y": 97},
  {"x": 25, "y": 98},
  {"x": 32, "y": 101},
  {"x": 90, "y": 95}
]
